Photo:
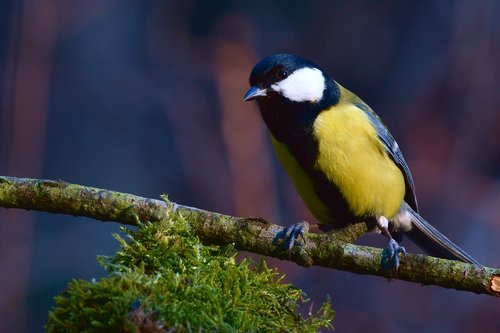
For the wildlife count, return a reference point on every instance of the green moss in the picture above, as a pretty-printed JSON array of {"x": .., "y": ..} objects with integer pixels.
[{"x": 164, "y": 279}]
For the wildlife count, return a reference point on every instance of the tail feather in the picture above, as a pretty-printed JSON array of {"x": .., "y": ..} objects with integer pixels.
[{"x": 435, "y": 243}]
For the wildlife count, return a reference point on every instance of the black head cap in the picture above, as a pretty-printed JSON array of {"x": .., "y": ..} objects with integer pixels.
[{"x": 273, "y": 68}]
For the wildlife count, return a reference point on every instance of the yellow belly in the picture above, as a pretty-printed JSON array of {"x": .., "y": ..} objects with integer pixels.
[{"x": 351, "y": 157}]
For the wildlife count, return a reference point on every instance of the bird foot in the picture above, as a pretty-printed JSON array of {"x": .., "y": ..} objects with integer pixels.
[
  {"x": 390, "y": 255},
  {"x": 288, "y": 235}
]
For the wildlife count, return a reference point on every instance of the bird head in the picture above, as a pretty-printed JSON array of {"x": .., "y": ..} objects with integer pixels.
[
  {"x": 290, "y": 91},
  {"x": 286, "y": 77}
]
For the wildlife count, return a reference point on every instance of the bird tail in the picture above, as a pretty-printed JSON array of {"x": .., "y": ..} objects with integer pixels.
[{"x": 433, "y": 242}]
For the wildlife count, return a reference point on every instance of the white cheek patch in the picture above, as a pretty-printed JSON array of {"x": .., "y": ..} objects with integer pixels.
[{"x": 304, "y": 85}]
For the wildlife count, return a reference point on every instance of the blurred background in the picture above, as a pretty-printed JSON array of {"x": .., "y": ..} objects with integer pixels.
[{"x": 145, "y": 97}]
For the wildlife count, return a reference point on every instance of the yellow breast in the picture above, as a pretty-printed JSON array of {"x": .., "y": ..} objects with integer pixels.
[{"x": 351, "y": 157}]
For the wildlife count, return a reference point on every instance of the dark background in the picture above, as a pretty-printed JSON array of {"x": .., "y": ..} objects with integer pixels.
[{"x": 146, "y": 97}]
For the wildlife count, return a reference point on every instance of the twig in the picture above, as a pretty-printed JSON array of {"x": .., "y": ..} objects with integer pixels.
[{"x": 255, "y": 235}]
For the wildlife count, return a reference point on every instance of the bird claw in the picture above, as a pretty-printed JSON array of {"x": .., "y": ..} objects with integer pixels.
[
  {"x": 290, "y": 234},
  {"x": 390, "y": 255}
]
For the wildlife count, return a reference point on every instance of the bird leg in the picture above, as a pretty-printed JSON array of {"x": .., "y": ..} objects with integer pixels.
[
  {"x": 390, "y": 255},
  {"x": 290, "y": 234}
]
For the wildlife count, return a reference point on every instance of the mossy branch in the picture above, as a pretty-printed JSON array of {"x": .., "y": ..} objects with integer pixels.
[{"x": 256, "y": 235}]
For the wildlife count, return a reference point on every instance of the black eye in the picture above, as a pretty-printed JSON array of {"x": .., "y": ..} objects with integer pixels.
[{"x": 282, "y": 73}]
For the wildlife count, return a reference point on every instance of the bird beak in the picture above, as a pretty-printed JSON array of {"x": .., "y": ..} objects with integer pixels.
[{"x": 254, "y": 92}]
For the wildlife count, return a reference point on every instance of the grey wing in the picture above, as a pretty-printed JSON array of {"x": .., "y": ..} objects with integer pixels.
[{"x": 392, "y": 148}]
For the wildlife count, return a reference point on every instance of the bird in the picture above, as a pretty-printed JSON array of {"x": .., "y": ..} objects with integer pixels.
[{"x": 342, "y": 159}]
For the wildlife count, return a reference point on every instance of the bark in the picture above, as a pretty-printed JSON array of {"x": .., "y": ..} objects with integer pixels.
[{"x": 333, "y": 250}]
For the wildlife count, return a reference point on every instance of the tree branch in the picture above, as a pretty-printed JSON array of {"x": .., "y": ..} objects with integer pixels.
[{"x": 256, "y": 235}]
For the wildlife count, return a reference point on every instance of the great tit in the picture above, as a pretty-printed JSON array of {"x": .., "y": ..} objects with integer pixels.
[{"x": 342, "y": 159}]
